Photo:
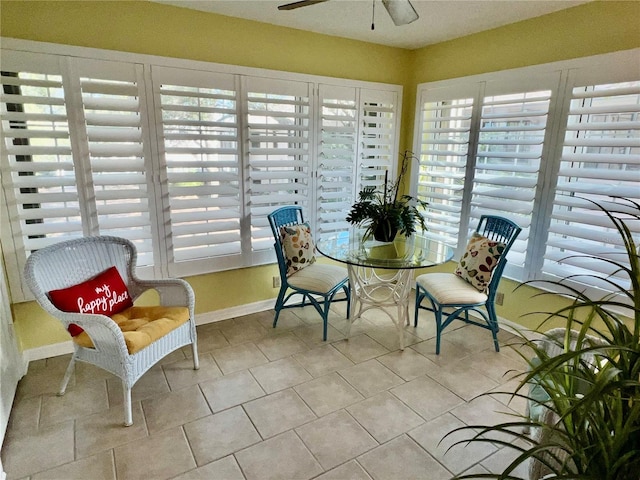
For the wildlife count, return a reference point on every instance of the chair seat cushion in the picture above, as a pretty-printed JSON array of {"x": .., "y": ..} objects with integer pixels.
[
  {"x": 318, "y": 278},
  {"x": 142, "y": 326},
  {"x": 449, "y": 289}
]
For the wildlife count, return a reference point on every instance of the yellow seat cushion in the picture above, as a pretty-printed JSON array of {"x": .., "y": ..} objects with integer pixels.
[{"x": 142, "y": 326}]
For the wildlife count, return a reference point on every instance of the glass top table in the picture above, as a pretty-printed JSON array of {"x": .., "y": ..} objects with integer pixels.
[
  {"x": 413, "y": 252},
  {"x": 381, "y": 274}
]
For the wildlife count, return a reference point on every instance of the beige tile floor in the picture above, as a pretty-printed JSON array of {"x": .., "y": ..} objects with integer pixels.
[{"x": 275, "y": 404}]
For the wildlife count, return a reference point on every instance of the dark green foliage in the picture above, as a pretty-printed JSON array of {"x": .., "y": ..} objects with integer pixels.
[{"x": 385, "y": 208}]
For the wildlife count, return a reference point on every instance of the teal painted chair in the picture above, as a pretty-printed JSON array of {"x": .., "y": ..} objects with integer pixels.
[
  {"x": 317, "y": 283},
  {"x": 475, "y": 288}
]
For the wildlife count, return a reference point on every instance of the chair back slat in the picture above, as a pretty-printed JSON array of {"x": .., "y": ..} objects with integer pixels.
[{"x": 284, "y": 216}]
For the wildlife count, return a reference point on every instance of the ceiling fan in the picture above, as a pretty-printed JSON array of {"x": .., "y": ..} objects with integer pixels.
[{"x": 400, "y": 11}]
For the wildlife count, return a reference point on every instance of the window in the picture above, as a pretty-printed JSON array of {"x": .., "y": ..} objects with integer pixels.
[
  {"x": 198, "y": 122},
  {"x": 110, "y": 131},
  {"x": 534, "y": 146},
  {"x": 186, "y": 159},
  {"x": 279, "y": 165},
  {"x": 338, "y": 153},
  {"x": 600, "y": 158},
  {"x": 36, "y": 137},
  {"x": 442, "y": 148},
  {"x": 358, "y": 142}
]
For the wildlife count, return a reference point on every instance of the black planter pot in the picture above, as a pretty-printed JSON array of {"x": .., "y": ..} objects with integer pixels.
[{"x": 384, "y": 232}]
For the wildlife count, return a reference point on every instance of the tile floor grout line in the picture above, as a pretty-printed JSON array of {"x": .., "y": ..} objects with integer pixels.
[{"x": 296, "y": 359}]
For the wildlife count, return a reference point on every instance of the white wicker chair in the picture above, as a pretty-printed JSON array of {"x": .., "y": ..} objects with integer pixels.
[{"x": 71, "y": 262}]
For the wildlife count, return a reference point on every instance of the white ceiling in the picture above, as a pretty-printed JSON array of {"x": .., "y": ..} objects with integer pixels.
[{"x": 439, "y": 20}]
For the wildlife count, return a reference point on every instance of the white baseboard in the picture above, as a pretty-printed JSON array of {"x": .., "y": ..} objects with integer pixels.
[
  {"x": 47, "y": 351},
  {"x": 233, "y": 312},
  {"x": 64, "y": 348}
]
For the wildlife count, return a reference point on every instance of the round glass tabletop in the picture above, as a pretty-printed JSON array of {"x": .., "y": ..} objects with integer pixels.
[{"x": 403, "y": 253}]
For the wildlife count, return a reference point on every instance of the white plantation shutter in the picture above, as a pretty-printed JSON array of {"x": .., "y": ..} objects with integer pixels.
[
  {"x": 378, "y": 137},
  {"x": 536, "y": 146},
  {"x": 508, "y": 157},
  {"x": 200, "y": 145},
  {"x": 338, "y": 123},
  {"x": 444, "y": 134},
  {"x": 278, "y": 157},
  {"x": 38, "y": 170},
  {"x": 115, "y": 126},
  {"x": 184, "y": 158},
  {"x": 600, "y": 157}
]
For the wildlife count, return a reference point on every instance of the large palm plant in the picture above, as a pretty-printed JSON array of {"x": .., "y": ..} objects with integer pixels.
[{"x": 595, "y": 434}]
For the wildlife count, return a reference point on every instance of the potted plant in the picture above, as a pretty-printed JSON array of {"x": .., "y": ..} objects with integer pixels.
[
  {"x": 385, "y": 213},
  {"x": 591, "y": 423}
]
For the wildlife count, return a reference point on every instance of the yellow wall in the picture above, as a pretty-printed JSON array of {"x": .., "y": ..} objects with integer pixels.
[
  {"x": 155, "y": 29},
  {"x": 151, "y": 28},
  {"x": 589, "y": 29}
]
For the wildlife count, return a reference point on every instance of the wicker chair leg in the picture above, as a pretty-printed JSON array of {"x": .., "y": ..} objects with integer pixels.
[
  {"x": 67, "y": 376},
  {"x": 128, "y": 416},
  {"x": 196, "y": 360}
]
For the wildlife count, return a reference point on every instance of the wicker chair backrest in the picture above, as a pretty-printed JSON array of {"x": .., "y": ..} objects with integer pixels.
[{"x": 71, "y": 262}]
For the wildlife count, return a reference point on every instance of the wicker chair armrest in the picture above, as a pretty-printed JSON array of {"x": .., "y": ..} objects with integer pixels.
[
  {"x": 172, "y": 292},
  {"x": 103, "y": 331}
]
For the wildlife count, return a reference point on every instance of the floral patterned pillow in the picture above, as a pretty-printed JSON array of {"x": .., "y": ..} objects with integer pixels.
[
  {"x": 479, "y": 260},
  {"x": 298, "y": 247}
]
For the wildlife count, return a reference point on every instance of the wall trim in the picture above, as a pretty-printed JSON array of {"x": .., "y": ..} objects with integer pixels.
[
  {"x": 236, "y": 311},
  {"x": 65, "y": 348}
]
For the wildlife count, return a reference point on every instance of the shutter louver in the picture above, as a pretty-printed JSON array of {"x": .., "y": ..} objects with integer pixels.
[
  {"x": 201, "y": 151},
  {"x": 443, "y": 148},
  {"x": 41, "y": 185},
  {"x": 114, "y": 132},
  {"x": 600, "y": 157},
  {"x": 278, "y": 167},
  {"x": 508, "y": 161},
  {"x": 337, "y": 154}
]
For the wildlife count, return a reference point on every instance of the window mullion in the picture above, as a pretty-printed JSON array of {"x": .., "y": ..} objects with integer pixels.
[
  {"x": 543, "y": 203},
  {"x": 157, "y": 184},
  {"x": 314, "y": 181},
  {"x": 243, "y": 145},
  {"x": 80, "y": 148},
  {"x": 465, "y": 213}
]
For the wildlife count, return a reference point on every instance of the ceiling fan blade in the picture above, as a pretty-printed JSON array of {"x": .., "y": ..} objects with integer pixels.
[
  {"x": 301, "y": 3},
  {"x": 400, "y": 11}
]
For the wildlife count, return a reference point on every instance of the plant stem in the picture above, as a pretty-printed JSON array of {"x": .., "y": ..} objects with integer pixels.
[{"x": 386, "y": 176}]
